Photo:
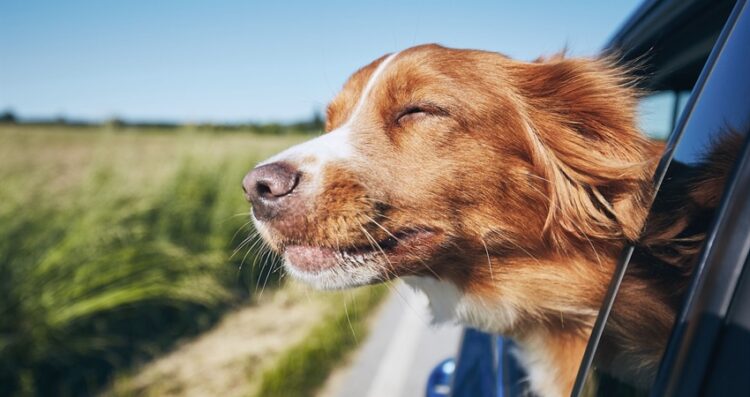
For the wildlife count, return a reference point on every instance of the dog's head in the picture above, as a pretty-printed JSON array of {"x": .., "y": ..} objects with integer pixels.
[{"x": 436, "y": 160}]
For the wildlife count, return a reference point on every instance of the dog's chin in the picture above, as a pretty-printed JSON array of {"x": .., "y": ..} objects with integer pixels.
[
  {"x": 354, "y": 272},
  {"x": 357, "y": 265}
]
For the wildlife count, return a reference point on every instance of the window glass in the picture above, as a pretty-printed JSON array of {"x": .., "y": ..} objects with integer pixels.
[
  {"x": 658, "y": 112},
  {"x": 655, "y": 114}
]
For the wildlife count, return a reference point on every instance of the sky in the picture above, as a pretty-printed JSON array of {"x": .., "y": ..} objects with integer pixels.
[{"x": 236, "y": 61}]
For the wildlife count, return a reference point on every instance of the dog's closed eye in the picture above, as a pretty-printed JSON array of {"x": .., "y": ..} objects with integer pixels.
[
  {"x": 410, "y": 113},
  {"x": 416, "y": 112}
]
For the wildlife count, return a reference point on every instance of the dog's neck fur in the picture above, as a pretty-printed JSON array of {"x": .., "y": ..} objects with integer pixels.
[{"x": 550, "y": 358}]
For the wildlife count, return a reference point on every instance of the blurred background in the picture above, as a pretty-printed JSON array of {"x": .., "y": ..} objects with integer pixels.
[{"x": 127, "y": 262}]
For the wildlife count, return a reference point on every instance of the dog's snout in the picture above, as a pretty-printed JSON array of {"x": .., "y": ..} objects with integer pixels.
[{"x": 268, "y": 185}]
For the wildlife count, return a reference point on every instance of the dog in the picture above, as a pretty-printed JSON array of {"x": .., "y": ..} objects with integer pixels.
[{"x": 505, "y": 190}]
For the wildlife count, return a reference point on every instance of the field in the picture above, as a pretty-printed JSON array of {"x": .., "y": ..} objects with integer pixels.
[{"x": 115, "y": 244}]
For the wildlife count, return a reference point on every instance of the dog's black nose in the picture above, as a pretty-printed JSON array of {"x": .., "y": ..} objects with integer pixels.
[{"x": 267, "y": 186}]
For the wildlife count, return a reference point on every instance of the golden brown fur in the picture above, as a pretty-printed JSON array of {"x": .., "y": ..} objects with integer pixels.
[{"x": 523, "y": 182}]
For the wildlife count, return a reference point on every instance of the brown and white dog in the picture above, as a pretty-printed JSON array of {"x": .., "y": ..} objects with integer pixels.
[{"x": 504, "y": 190}]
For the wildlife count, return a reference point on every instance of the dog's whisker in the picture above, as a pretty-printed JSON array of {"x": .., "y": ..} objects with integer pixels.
[
  {"x": 377, "y": 246},
  {"x": 382, "y": 228},
  {"x": 249, "y": 250},
  {"x": 244, "y": 242},
  {"x": 240, "y": 246},
  {"x": 338, "y": 246},
  {"x": 251, "y": 247},
  {"x": 489, "y": 261},
  {"x": 239, "y": 229},
  {"x": 388, "y": 205},
  {"x": 248, "y": 213},
  {"x": 596, "y": 254},
  {"x": 510, "y": 240},
  {"x": 273, "y": 269},
  {"x": 258, "y": 262},
  {"x": 409, "y": 249},
  {"x": 394, "y": 289},
  {"x": 264, "y": 263},
  {"x": 349, "y": 321},
  {"x": 257, "y": 254},
  {"x": 538, "y": 177}
]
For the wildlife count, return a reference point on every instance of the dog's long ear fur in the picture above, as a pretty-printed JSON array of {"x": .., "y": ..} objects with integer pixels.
[{"x": 584, "y": 141}]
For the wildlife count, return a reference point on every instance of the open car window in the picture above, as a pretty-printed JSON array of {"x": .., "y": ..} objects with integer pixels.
[
  {"x": 659, "y": 110},
  {"x": 699, "y": 160}
]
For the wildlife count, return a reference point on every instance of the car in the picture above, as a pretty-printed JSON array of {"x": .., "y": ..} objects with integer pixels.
[{"x": 694, "y": 59}]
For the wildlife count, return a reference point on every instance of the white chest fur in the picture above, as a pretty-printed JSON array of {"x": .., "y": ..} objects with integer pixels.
[{"x": 449, "y": 304}]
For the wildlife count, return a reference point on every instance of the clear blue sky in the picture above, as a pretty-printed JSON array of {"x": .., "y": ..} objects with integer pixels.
[{"x": 226, "y": 60}]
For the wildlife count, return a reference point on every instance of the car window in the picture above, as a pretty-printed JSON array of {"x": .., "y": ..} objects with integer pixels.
[
  {"x": 658, "y": 112},
  {"x": 655, "y": 275}
]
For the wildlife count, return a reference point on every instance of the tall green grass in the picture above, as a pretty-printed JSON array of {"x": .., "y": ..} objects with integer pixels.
[{"x": 112, "y": 246}]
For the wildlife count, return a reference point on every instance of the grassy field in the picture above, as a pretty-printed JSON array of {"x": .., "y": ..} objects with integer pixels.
[{"x": 114, "y": 244}]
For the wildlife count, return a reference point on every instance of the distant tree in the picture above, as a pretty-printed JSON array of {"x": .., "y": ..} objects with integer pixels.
[
  {"x": 114, "y": 123},
  {"x": 314, "y": 124},
  {"x": 318, "y": 122},
  {"x": 271, "y": 129},
  {"x": 8, "y": 117}
]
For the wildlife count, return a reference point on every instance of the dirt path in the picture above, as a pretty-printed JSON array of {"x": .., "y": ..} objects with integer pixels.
[{"x": 222, "y": 361}]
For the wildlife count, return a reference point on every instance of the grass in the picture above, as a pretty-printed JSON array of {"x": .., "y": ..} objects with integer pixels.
[
  {"x": 114, "y": 244},
  {"x": 303, "y": 369}
]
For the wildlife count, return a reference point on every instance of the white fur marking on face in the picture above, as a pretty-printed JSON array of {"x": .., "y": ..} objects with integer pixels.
[
  {"x": 310, "y": 157},
  {"x": 332, "y": 146},
  {"x": 336, "y": 145},
  {"x": 368, "y": 87}
]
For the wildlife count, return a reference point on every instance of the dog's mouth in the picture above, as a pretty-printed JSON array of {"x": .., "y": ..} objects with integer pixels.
[{"x": 406, "y": 244}]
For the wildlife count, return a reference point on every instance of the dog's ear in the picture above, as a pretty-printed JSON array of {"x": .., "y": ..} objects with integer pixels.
[{"x": 580, "y": 116}]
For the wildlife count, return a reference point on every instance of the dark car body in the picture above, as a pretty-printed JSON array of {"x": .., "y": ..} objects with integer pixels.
[{"x": 696, "y": 56}]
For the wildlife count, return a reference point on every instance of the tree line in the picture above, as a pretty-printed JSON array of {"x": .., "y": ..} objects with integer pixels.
[{"x": 314, "y": 124}]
